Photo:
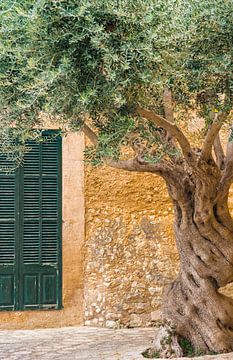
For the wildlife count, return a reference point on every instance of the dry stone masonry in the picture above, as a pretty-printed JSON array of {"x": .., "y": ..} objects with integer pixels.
[{"x": 129, "y": 253}]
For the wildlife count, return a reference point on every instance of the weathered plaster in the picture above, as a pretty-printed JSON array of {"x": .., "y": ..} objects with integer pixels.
[{"x": 130, "y": 252}]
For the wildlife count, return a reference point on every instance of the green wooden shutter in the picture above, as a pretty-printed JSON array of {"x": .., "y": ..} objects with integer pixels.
[
  {"x": 8, "y": 214},
  {"x": 38, "y": 236}
]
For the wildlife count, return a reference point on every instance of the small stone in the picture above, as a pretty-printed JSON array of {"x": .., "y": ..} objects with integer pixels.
[
  {"x": 155, "y": 302},
  {"x": 135, "y": 320},
  {"x": 113, "y": 316},
  {"x": 149, "y": 277},
  {"x": 111, "y": 324},
  {"x": 141, "y": 306},
  {"x": 152, "y": 290},
  {"x": 87, "y": 323},
  {"x": 99, "y": 297},
  {"x": 155, "y": 315}
]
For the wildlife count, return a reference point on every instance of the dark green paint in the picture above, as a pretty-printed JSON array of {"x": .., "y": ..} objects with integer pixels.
[{"x": 30, "y": 230}]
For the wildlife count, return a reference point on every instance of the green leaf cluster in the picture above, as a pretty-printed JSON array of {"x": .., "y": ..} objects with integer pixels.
[{"x": 75, "y": 59}]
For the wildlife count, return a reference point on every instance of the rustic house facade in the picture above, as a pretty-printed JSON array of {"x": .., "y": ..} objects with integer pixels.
[{"x": 81, "y": 245}]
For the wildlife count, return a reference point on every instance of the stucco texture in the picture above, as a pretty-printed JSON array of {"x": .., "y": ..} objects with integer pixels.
[
  {"x": 73, "y": 238},
  {"x": 130, "y": 252},
  {"x": 114, "y": 278}
]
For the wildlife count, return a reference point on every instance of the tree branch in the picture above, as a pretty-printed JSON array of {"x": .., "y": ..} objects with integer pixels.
[
  {"x": 227, "y": 177},
  {"x": 167, "y": 104},
  {"x": 168, "y": 110},
  {"x": 219, "y": 153},
  {"x": 90, "y": 134},
  {"x": 163, "y": 168},
  {"x": 135, "y": 165},
  {"x": 229, "y": 153},
  {"x": 211, "y": 135},
  {"x": 172, "y": 129}
]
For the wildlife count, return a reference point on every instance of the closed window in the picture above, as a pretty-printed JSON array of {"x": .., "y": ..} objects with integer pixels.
[{"x": 30, "y": 229}]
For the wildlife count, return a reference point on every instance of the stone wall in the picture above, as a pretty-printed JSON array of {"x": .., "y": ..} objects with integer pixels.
[{"x": 129, "y": 250}]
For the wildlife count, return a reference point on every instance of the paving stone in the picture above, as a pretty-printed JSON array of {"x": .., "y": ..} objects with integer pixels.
[
  {"x": 80, "y": 343},
  {"x": 74, "y": 344}
]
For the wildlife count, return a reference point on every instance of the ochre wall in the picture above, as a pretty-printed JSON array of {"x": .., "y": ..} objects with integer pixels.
[
  {"x": 130, "y": 251},
  {"x": 73, "y": 239},
  {"x": 129, "y": 248}
]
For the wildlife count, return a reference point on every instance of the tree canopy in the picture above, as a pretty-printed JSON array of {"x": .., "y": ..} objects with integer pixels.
[
  {"x": 125, "y": 72},
  {"x": 98, "y": 62}
]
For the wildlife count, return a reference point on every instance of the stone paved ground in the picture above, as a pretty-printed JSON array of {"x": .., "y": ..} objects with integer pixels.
[
  {"x": 74, "y": 344},
  {"x": 79, "y": 344}
]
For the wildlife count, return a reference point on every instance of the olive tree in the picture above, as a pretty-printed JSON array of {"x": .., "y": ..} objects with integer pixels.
[{"x": 130, "y": 74}]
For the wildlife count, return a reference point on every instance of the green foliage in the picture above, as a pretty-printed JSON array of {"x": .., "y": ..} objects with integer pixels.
[
  {"x": 187, "y": 349},
  {"x": 150, "y": 354},
  {"x": 72, "y": 59},
  {"x": 190, "y": 351}
]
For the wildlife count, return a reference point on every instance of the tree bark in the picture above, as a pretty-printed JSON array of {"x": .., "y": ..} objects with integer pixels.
[{"x": 205, "y": 244}]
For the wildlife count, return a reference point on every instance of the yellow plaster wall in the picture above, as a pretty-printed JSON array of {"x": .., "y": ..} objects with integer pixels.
[
  {"x": 129, "y": 248},
  {"x": 73, "y": 239},
  {"x": 130, "y": 252}
]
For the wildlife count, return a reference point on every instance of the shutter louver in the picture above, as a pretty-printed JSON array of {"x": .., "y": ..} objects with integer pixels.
[
  {"x": 7, "y": 214},
  {"x": 7, "y": 197},
  {"x": 7, "y": 236},
  {"x": 49, "y": 242},
  {"x": 31, "y": 197},
  {"x": 49, "y": 197},
  {"x": 31, "y": 244},
  {"x": 7, "y": 243},
  {"x": 32, "y": 159},
  {"x": 49, "y": 158}
]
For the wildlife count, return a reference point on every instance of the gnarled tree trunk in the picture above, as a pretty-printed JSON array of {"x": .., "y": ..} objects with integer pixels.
[{"x": 203, "y": 230}]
